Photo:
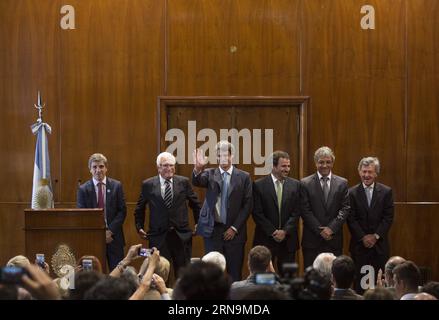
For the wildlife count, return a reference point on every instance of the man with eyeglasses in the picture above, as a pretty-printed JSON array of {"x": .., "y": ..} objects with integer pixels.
[{"x": 167, "y": 195}]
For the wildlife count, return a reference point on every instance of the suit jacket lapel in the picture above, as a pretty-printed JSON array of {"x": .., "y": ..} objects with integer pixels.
[
  {"x": 375, "y": 195},
  {"x": 318, "y": 189},
  {"x": 233, "y": 179},
  {"x": 91, "y": 190},
  {"x": 270, "y": 187},
  {"x": 286, "y": 192},
  {"x": 108, "y": 193},
  {"x": 362, "y": 196},
  {"x": 332, "y": 188},
  {"x": 156, "y": 189}
]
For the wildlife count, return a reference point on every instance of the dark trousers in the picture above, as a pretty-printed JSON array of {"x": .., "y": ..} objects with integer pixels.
[
  {"x": 367, "y": 257},
  {"x": 115, "y": 254},
  {"x": 232, "y": 250},
  {"x": 177, "y": 251},
  {"x": 310, "y": 254}
]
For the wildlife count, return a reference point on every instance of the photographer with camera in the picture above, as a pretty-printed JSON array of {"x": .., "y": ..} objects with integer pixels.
[{"x": 261, "y": 271}]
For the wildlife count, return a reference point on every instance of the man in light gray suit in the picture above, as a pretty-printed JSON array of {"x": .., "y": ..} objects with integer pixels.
[{"x": 325, "y": 207}]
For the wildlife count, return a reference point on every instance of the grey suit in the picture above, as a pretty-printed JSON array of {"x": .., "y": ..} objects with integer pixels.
[
  {"x": 316, "y": 213},
  {"x": 239, "y": 207}
]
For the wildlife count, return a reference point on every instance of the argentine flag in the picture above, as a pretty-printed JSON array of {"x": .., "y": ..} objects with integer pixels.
[{"x": 42, "y": 195}]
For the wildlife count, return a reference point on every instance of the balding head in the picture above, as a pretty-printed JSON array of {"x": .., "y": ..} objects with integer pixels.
[
  {"x": 424, "y": 296},
  {"x": 390, "y": 265}
]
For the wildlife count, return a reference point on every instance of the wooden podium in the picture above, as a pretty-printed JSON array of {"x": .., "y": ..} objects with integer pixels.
[{"x": 82, "y": 230}]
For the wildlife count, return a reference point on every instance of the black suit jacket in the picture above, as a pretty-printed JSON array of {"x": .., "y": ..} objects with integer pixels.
[
  {"x": 369, "y": 220},
  {"x": 115, "y": 207},
  {"x": 239, "y": 201},
  {"x": 316, "y": 214},
  {"x": 161, "y": 218},
  {"x": 266, "y": 210}
]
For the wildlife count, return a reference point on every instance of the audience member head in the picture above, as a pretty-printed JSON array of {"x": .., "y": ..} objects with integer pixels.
[
  {"x": 388, "y": 270},
  {"x": 379, "y": 294},
  {"x": 316, "y": 286},
  {"x": 202, "y": 281},
  {"x": 343, "y": 272},
  {"x": 131, "y": 277},
  {"x": 96, "y": 264},
  {"x": 83, "y": 282},
  {"x": 259, "y": 259},
  {"x": 163, "y": 268},
  {"x": 216, "y": 258},
  {"x": 424, "y": 296},
  {"x": 323, "y": 263},
  {"x": 18, "y": 261},
  {"x": 406, "y": 277},
  {"x": 432, "y": 288},
  {"x": 110, "y": 288}
]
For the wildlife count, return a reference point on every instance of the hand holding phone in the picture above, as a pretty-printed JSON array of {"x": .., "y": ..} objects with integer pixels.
[
  {"x": 144, "y": 252},
  {"x": 39, "y": 260}
]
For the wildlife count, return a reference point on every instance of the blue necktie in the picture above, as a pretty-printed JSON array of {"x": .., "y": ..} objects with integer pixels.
[{"x": 224, "y": 199}]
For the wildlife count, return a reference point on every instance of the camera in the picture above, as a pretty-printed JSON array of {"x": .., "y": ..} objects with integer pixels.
[
  {"x": 267, "y": 278},
  {"x": 144, "y": 252},
  {"x": 39, "y": 260},
  {"x": 87, "y": 265},
  {"x": 11, "y": 275}
]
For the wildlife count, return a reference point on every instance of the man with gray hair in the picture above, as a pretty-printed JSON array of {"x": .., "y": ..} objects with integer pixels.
[
  {"x": 106, "y": 193},
  {"x": 167, "y": 195},
  {"x": 325, "y": 207},
  {"x": 370, "y": 220}
]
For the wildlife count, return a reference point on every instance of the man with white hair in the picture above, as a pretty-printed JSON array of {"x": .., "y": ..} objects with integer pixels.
[
  {"x": 167, "y": 195},
  {"x": 323, "y": 263},
  {"x": 216, "y": 258}
]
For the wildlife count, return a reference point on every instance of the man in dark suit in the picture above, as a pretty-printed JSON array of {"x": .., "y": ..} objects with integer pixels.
[
  {"x": 167, "y": 195},
  {"x": 223, "y": 217},
  {"x": 370, "y": 220},
  {"x": 104, "y": 192},
  {"x": 325, "y": 207},
  {"x": 276, "y": 210}
]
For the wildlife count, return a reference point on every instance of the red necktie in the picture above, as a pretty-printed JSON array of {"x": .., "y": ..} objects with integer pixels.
[{"x": 100, "y": 195}]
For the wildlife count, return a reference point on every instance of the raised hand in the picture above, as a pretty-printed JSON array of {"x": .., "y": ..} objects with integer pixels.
[{"x": 200, "y": 160}]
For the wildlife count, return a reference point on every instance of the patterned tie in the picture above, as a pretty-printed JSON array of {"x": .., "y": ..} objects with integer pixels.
[
  {"x": 325, "y": 188},
  {"x": 224, "y": 197},
  {"x": 279, "y": 186},
  {"x": 369, "y": 195},
  {"x": 168, "y": 194},
  {"x": 101, "y": 195}
]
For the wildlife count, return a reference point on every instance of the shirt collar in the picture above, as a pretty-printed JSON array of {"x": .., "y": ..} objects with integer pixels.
[
  {"x": 371, "y": 186},
  {"x": 95, "y": 182},
  {"x": 162, "y": 180},
  {"x": 276, "y": 179},
  {"x": 228, "y": 171},
  {"x": 329, "y": 175}
]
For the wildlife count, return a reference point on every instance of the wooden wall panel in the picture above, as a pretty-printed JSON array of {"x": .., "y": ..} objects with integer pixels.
[
  {"x": 423, "y": 100},
  {"x": 414, "y": 235},
  {"x": 356, "y": 80},
  {"x": 112, "y": 67},
  {"x": 227, "y": 47},
  {"x": 28, "y": 62},
  {"x": 11, "y": 231}
]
